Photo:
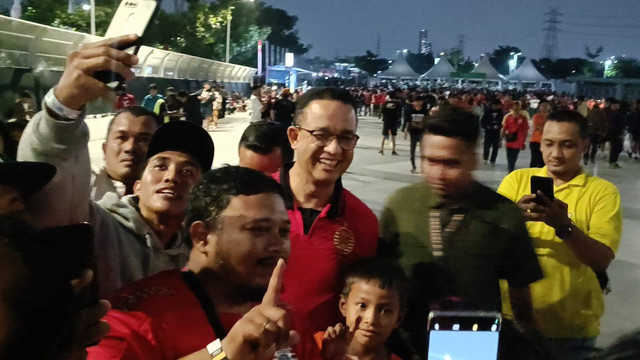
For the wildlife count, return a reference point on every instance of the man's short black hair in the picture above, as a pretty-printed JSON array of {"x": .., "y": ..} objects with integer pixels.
[
  {"x": 25, "y": 95},
  {"x": 183, "y": 94},
  {"x": 573, "y": 117},
  {"x": 263, "y": 138},
  {"x": 454, "y": 122},
  {"x": 136, "y": 111},
  {"x": 323, "y": 93},
  {"x": 212, "y": 196},
  {"x": 386, "y": 274},
  {"x": 153, "y": 87},
  {"x": 256, "y": 87}
]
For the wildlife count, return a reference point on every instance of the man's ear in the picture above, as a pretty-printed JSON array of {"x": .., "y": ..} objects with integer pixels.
[
  {"x": 343, "y": 305},
  {"x": 292, "y": 135},
  {"x": 199, "y": 232},
  {"x": 136, "y": 188},
  {"x": 104, "y": 148}
]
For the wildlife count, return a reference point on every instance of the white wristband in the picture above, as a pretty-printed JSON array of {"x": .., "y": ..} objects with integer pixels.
[{"x": 56, "y": 106}]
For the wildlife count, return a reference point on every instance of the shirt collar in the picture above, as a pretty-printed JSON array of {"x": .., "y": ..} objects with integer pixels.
[
  {"x": 289, "y": 200},
  {"x": 578, "y": 180}
]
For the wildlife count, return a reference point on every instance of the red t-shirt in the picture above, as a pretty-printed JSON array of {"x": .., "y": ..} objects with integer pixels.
[
  {"x": 158, "y": 317},
  {"x": 379, "y": 98},
  {"x": 343, "y": 233},
  {"x": 124, "y": 101},
  {"x": 519, "y": 124}
]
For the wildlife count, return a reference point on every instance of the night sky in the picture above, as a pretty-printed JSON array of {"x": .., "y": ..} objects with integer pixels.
[{"x": 349, "y": 27}]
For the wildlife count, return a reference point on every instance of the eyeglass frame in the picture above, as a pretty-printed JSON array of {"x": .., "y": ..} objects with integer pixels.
[{"x": 320, "y": 143}]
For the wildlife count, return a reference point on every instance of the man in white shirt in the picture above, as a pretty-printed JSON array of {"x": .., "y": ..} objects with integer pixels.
[{"x": 256, "y": 103}]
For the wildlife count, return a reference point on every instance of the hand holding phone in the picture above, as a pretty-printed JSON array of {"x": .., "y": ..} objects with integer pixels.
[{"x": 131, "y": 17}]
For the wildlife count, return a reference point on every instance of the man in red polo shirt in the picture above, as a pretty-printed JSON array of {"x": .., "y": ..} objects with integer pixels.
[{"x": 330, "y": 227}]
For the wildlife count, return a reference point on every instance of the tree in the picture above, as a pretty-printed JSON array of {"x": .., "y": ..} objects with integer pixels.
[
  {"x": 54, "y": 13},
  {"x": 371, "y": 63},
  {"x": 628, "y": 68},
  {"x": 454, "y": 56},
  {"x": 282, "y": 25},
  {"x": 500, "y": 58},
  {"x": 592, "y": 55},
  {"x": 420, "y": 63},
  {"x": 564, "y": 68}
]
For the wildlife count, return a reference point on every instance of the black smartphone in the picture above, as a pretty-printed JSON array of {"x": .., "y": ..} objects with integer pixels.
[
  {"x": 464, "y": 335},
  {"x": 543, "y": 184},
  {"x": 131, "y": 17}
]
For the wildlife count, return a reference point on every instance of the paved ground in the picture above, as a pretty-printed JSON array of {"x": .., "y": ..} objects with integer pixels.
[{"x": 372, "y": 177}]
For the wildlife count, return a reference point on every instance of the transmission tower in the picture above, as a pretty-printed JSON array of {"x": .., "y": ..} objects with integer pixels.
[
  {"x": 378, "y": 45},
  {"x": 550, "y": 45},
  {"x": 460, "y": 45}
]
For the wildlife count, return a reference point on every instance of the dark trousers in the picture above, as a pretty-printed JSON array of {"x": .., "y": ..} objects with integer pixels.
[
  {"x": 491, "y": 144},
  {"x": 536, "y": 155},
  {"x": 415, "y": 139},
  {"x": 595, "y": 142},
  {"x": 616, "y": 149},
  {"x": 512, "y": 156}
]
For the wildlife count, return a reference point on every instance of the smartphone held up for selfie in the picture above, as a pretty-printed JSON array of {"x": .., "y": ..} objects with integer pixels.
[
  {"x": 131, "y": 17},
  {"x": 544, "y": 185},
  {"x": 472, "y": 335}
]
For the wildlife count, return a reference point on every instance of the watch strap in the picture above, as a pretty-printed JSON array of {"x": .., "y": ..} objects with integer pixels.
[
  {"x": 565, "y": 232},
  {"x": 215, "y": 350}
]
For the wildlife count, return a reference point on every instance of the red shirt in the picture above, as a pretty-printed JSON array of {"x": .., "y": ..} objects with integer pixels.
[
  {"x": 158, "y": 317},
  {"x": 519, "y": 124},
  {"x": 345, "y": 231},
  {"x": 124, "y": 101},
  {"x": 379, "y": 98}
]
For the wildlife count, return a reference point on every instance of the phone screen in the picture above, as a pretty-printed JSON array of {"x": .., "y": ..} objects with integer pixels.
[
  {"x": 464, "y": 335},
  {"x": 468, "y": 345}
]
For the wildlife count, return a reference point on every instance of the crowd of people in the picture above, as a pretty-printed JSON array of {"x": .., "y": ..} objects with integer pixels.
[{"x": 156, "y": 256}]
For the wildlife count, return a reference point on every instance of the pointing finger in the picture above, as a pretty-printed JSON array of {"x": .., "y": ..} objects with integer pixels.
[{"x": 272, "y": 296}]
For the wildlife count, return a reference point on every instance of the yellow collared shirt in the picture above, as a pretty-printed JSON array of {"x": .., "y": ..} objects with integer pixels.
[{"x": 568, "y": 301}]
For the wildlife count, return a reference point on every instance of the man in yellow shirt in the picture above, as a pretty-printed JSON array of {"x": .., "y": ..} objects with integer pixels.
[{"x": 575, "y": 236}]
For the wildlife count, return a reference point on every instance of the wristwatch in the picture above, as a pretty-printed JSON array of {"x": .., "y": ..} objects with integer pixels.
[
  {"x": 215, "y": 350},
  {"x": 565, "y": 232}
]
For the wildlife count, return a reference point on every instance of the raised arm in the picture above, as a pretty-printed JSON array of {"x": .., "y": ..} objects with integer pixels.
[{"x": 59, "y": 135}]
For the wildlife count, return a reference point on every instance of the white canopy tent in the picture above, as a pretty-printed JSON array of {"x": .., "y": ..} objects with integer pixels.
[
  {"x": 484, "y": 67},
  {"x": 441, "y": 70},
  {"x": 400, "y": 69},
  {"x": 527, "y": 73}
]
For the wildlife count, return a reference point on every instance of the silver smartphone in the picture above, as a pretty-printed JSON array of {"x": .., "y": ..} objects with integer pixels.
[
  {"x": 131, "y": 17},
  {"x": 469, "y": 335}
]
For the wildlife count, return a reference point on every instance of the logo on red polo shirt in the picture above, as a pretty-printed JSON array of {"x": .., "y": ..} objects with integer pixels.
[{"x": 344, "y": 240}]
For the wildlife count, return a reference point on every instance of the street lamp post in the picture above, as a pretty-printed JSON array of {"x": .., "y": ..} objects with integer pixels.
[
  {"x": 226, "y": 58},
  {"x": 93, "y": 17}
]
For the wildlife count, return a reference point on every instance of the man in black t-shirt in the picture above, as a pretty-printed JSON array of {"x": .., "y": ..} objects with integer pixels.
[
  {"x": 284, "y": 109},
  {"x": 391, "y": 112},
  {"x": 414, "y": 118},
  {"x": 191, "y": 107},
  {"x": 491, "y": 123}
]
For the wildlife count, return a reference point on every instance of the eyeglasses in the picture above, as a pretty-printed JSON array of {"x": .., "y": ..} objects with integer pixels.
[{"x": 322, "y": 139}]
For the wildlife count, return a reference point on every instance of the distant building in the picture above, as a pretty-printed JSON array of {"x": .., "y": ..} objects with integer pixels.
[
  {"x": 429, "y": 48},
  {"x": 424, "y": 46}
]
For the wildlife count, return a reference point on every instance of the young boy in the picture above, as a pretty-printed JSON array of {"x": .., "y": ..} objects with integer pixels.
[{"x": 373, "y": 304}]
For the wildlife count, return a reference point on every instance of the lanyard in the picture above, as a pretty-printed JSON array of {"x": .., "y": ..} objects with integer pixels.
[
  {"x": 439, "y": 235},
  {"x": 206, "y": 303}
]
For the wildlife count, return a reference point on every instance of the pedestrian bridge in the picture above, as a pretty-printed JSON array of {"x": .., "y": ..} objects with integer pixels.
[{"x": 33, "y": 56}]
